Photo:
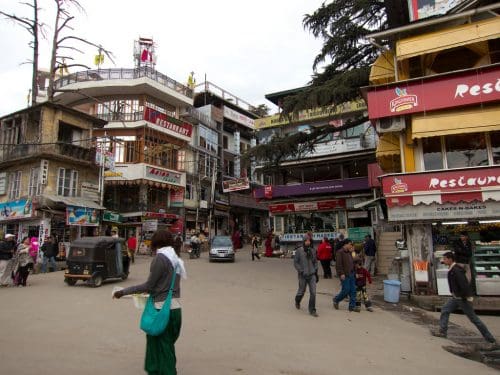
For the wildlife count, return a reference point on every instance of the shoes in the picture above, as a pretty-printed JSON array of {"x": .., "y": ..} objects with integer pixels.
[
  {"x": 314, "y": 313},
  {"x": 369, "y": 309},
  {"x": 335, "y": 305},
  {"x": 297, "y": 305},
  {"x": 438, "y": 333}
]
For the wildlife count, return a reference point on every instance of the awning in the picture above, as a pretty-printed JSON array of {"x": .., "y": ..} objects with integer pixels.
[
  {"x": 368, "y": 203},
  {"x": 382, "y": 70},
  {"x": 73, "y": 201},
  {"x": 475, "y": 120},
  {"x": 388, "y": 145}
]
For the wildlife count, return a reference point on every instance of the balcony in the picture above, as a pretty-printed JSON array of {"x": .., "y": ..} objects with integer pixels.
[{"x": 19, "y": 152}]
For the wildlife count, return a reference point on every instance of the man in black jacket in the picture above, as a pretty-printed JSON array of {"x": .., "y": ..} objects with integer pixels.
[
  {"x": 461, "y": 298},
  {"x": 7, "y": 247},
  {"x": 463, "y": 253}
]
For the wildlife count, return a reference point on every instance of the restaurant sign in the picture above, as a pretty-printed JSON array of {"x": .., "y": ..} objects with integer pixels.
[
  {"x": 163, "y": 175},
  {"x": 235, "y": 185},
  {"x": 332, "y": 204},
  {"x": 165, "y": 121}
]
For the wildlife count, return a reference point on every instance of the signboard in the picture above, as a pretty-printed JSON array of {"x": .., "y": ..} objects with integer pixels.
[
  {"x": 236, "y": 184},
  {"x": 307, "y": 206},
  {"x": 358, "y": 234},
  {"x": 112, "y": 216},
  {"x": 90, "y": 191},
  {"x": 19, "y": 209},
  {"x": 84, "y": 216},
  {"x": 357, "y": 214},
  {"x": 299, "y": 237},
  {"x": 170, "y": 123},
  {"x": 177, "y": 198},
  {"x": 150, "y": 225},
  {"x": 163, "y": 175},
  {"x": 447, "y": 211},
  {"x": 422, "y": 95},
  {"x": 3, "y": 183},
  {"x": 420, "y": 9},
  {"x": 106, "y": 157},
  {"x": 238, "y": 117}
]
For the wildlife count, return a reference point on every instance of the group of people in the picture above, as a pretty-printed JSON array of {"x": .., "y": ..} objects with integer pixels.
[
  {"x": 18, "y": 260},
  {"x": 349, "y": 267}
]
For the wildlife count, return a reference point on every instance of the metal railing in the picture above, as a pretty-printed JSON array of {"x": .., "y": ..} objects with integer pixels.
[
  {"x": 112, "y": 74},
  {"x": 226, "y": 95}
]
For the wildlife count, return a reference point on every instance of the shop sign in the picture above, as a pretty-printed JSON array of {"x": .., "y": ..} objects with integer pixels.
[
  {"x": 19, "y": 209},
  {"x": 150, "y": 225},
  {"x": 84, "y": 216},
  {"x": 428, "y": 94},
  {"x": 299, "y": 237},
  {"x": 160, "y": 215},
  {"x": 238, "y": 117},
  {"x": 235, "y": 185},
  {"x": 163, "y": 175},
  {"x": 307, "y": 206},
  {"x": 90, "y": 191},
  {"x": 106, "y": 157},
  {"x": 447, "y": 211},
  {"x": 177, "y": 198},
  {"x": 3, "y": 183},
  {"x": 112, "y": 216},
  {"x": 424, "y": 9},
  {"x": 358, "y": 234},
  {"x": 466, "y": 180},
  {"x": 170, "y": 123},
  {"x": 268, "y": 191},
  {"x": 357, "y": 214}
]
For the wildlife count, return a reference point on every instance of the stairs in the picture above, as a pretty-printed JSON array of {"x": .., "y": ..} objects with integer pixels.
[{"x": 386, "y": 251}]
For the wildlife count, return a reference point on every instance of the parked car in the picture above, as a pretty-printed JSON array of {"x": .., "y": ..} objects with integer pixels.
[{"x": 221, "y": 248}]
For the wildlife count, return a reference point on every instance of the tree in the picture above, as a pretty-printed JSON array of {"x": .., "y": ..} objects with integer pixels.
[
  {"x": 33, "y": 26},
  {"x": 348, "y": 55},
  {"x": 261, "y": 110}
]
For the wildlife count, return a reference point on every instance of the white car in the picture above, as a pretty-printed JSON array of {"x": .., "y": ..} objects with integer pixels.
[{"x": 221, "y": 248}]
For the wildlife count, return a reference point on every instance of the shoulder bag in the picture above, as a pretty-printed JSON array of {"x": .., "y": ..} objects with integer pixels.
[{"x": 154, "y": 322}]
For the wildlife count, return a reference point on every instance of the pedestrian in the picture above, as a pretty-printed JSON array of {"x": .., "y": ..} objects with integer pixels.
[
  {"x": 306, "y": 264},
  {"x": 461, "y": 298},
  {"x": 7, "y": 249},
  {"x": 463, "y": 253},
  {"x": 49, "y": 251},
  {"x": 345, "y": 271},
  {"x": 362, "y": 276},
  {"x": 160, "y": 350},
  {"x": 325, "y": 257},
  {"x": 132, "y": 246},
  {"x": 23, "y": 262},
  {"x": 195, "y": 246},
  {"x": 370, "y": 250},
  {"x": 178, "y": 244},
  {"x": 236, "y": 239},
  {"x": 339, "y": 243},
  {"x": 255, "y": 247},
  {"x": 269, "y": 245}
]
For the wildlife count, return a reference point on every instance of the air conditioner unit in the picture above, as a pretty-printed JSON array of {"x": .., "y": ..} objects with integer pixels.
[{"x": 390, "y": 124}]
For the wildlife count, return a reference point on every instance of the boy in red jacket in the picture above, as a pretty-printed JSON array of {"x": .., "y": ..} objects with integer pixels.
[{"x": 362, "y": 275}]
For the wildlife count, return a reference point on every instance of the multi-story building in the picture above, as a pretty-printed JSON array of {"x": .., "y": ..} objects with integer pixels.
[
  {"x": 234, "y": 207},
  {"x": 145, "y": 139},
  {"x": 49, "y": 181},
  {"x": 319, "y": 191},
  {"x": 436, "y": 98}
]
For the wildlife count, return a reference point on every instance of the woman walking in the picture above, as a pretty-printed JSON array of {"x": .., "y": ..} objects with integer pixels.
[
  {"x": 160, "y": 350},
  {"x": 23, "y": 262}
]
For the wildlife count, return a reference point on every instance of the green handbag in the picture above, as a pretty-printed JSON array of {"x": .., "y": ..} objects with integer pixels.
[{"x": 154, "y": 322}]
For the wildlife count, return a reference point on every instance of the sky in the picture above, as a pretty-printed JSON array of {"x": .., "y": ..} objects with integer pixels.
[{"x": 249, "y": 49}]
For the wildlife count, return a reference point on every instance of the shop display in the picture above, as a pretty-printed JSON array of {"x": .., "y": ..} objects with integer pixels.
[{"x": 486, "y": 269}]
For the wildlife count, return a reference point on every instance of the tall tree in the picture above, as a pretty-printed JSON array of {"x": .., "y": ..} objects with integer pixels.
[
  {"x": 35, "y": 28},
  {"x": 340, "y": 68}
]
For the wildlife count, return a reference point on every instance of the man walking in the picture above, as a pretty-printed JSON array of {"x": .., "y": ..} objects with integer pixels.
[
  {"x": 463, "y": 253},
  {"x": 306, "y": 264},
  {"x": 461, "y": 298},
  {"x": 370, "y": 249},
  {"x": 49, "y": 250},
  {"x": 7, "y": 247},
  {"x": 345, "y": 271}
]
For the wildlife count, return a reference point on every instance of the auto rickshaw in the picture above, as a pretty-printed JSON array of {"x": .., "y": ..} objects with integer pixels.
[{"x": 95, "y": 259}]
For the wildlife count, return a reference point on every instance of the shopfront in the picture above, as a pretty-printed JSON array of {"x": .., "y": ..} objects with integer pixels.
[{"x": 436, "y": 208}]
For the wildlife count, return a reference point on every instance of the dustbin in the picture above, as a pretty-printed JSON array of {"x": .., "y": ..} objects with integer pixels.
[{"x": 392, "y": 289}]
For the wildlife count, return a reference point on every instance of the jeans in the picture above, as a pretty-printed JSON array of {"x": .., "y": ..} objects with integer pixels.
[
  {"x": 369, "y": 260},
  {"x": 3, "y": 267},
  {"x": 311, "y": 282},
  {"x": 466, "y": 306},
  {"x": 327, "y": 270},
  {"x": 52, "y": 261},
  {"x": 348, "y": 289}
]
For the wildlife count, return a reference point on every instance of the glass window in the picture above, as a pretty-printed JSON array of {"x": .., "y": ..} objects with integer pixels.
[
  {"x": 34, "y": 187},
  {"x": 15, "y": 185},
  {"x": 495, "y": 146},
  {"x": 433, "y": 157},
  {"x": 67, "y": 182},
  {"x": 467, "y": 150}
]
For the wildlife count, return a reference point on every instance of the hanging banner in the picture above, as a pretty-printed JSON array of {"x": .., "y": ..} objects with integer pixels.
[
  {"x": 19, "y": 209},
  {"x": 84, "y": 216}
]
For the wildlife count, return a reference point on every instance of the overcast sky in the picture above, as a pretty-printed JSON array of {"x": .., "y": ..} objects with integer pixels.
[{"x": 248, "y": 48}]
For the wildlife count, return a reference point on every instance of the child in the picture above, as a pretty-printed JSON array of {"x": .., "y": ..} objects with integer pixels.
[
  {"x": 255, "y": 247},
  {"x": 361, "y": 276}
]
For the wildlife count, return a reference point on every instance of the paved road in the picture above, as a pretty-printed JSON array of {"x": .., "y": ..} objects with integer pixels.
[{"x": 238, "y": 319}]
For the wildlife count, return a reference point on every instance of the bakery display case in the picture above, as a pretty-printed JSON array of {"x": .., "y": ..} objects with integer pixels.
[{"x": 486, "y": 269}]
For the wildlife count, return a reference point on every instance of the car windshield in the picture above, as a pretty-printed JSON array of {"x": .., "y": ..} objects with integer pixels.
[{"x": 222, "y": 241}]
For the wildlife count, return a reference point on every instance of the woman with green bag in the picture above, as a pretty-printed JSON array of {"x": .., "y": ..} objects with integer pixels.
[{"x": 160, "y": 350}]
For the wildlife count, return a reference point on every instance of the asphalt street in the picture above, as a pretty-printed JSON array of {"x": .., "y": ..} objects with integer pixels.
[{"x": 238, "y": 318}]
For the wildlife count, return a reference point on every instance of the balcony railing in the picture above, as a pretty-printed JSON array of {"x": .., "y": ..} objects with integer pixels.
[
  {"x": 21, "y": 151},
  {"x": 112, "y": 74}
]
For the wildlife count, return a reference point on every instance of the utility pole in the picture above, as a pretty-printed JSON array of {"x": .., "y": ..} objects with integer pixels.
[{"x": 212, "y": 200}]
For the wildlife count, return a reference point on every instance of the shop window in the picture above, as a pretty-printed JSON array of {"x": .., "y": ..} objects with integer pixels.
[
  {"x": 67, "y": 182},
  {"x": 188, "y": 192},
  {"x": 467, "y": 150},
  {"x": 355, "y": 169},
  {"x": 35, "y": 186},
  {"x": 495, "y": 146},
  {"x": 433, "y": 156},
  {"x": 15, "y": 185}
]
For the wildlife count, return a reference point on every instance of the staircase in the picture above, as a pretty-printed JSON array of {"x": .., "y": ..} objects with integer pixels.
[{"x": 386, "y": 251}]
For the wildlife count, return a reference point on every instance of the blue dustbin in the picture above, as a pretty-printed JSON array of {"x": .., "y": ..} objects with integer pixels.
[{"x": 392, "y": 289}]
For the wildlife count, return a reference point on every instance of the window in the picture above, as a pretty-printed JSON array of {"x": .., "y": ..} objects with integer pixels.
[
  {"x": 495, "y": 146},
  {"x": 188, "y": 193},
  {"x": 15, "y": 185},
  {"x": 225, "y": 142},
  {"x": 35, "y": 186},
  {"x": 433, "y": 158},
  {"x": 208, "y": 138},
  {"x": 67, "y": 182},
  {"x": 466, "y": 150},
  {"x": 69, "y": 134},
  {"x": 181, "y": 160}
]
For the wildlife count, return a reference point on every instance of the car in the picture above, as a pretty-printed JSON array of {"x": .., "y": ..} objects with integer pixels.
[{"x": 221, "y": 248}]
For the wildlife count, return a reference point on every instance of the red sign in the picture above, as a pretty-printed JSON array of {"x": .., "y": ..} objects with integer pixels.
[
  {"x": 159, "y": 215},
  {"x": 268, "y": 191},
  {"x": 307, "y": 206},
  {"x": 467, "y": 185},
  {"x": 428, "y": 94},
  {"x": 167, "y": 122}
]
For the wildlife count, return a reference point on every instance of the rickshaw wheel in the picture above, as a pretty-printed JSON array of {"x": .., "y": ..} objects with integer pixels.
[
  {"x": 97, "y": 281},
  {"x": 71, "y": 282}
]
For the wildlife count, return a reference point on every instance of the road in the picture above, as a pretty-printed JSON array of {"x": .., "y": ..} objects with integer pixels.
[{"x": 237, "y": 319}]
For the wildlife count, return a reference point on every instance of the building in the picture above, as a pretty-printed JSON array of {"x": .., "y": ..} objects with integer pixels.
[
  {"x": 49, "y": 182},
  {"x": 435, "y": 100},
  {"x": 320, "y": 190}
]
